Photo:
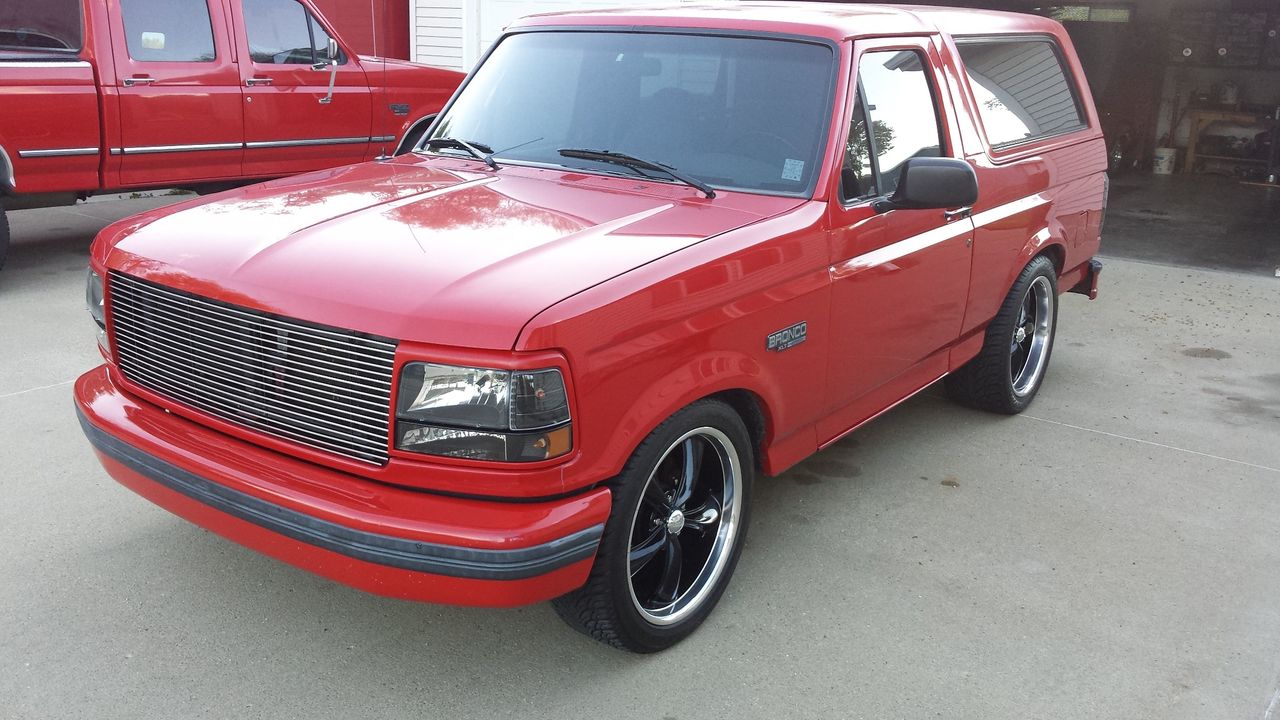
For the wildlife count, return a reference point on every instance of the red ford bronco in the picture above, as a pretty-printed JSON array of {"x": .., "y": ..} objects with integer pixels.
[
  {"x": 108, "y": 95},
  {"x": 641, "y": 258}
]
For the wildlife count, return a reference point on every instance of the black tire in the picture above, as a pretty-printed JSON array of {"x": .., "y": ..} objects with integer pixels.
[
  {"x": 610, "y": 607},
  {"x": 997, "y": 379},
  {"x": 4, "y": 237}
]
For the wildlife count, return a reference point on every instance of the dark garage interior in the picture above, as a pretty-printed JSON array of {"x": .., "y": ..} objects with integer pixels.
[{"x": 1189, "y": 95}]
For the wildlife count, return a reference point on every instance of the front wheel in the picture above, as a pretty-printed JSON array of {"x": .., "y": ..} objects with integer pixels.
[
  {"x": 673, "y": 536},
  {"x": 1008, "y": 372},
  {"x": 4, "y": 237}
]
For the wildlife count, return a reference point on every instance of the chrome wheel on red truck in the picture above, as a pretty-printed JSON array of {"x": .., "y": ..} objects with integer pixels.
[
  {"x": 674, "y": 535},
  {"x": 1008, "y": 371}
]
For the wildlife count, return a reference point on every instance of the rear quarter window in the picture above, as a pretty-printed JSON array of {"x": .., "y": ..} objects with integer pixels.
[
  {"x": 40, "y": 25},
  {"x": 1023, "y": 90}
]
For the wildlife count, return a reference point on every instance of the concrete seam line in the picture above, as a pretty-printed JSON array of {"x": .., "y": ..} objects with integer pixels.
[
  {"x": 1155, "y": 444},
  {"x": 1270, "y": 714},
  {"x": 34, "y": 389}
]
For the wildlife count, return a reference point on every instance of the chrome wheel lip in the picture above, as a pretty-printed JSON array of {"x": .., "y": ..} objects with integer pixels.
[
  {"x": 689, "y": 601},
  {"x": 1026, "y": 378}
]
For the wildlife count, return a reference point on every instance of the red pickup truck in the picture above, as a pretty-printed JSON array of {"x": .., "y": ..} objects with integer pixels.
[
  {"x": 102, "y": 95},
  {"x": 641, "y": 258}
]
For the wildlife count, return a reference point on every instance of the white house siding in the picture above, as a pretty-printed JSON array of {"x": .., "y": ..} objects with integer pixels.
[
  {"x": 456, "y": 33},
  {"x": 437, "y": 33}
]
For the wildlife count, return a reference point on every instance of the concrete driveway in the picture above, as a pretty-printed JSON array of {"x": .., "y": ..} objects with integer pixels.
[{"x": 1113, "y": 553}]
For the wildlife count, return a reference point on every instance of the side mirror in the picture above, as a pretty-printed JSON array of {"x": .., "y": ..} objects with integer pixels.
[
  {"x": 332, "y": 65},
  {"x": 928, "y": 183},
  {"x": 331, "y": 57}
]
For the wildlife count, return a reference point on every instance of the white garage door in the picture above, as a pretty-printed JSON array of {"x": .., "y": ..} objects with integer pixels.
[{"x": 455, "y": 33}]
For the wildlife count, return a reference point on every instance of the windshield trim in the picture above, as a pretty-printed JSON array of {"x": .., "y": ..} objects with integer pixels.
[{"x": 806, "y": 193}]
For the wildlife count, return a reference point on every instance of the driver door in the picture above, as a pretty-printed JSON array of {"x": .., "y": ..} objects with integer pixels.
[
  {"x": 288, "y": 129},
  {"x": 900, "y": 279}
]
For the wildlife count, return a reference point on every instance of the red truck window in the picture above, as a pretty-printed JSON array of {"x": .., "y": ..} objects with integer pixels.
[
  {"x": 282, "y": 32},
  {"x": 41, "y": 25},
  {"x": 895, "y": 93},
  {"x": 1022, "y": 90},
  {"x": 168, "y": 30}
]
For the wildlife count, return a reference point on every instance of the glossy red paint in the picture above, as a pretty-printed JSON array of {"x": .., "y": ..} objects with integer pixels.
[
  {"x": 340, "y": 498},
  {"x": 646, "y": 295},
  {"x": 138, "y": 123}
]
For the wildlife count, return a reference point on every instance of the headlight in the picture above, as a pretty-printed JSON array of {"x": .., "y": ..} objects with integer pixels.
[
  {"x": 483, "y": 414},
  {"x": 95, "y": 300},
  {"x": 93, "y": 297}
]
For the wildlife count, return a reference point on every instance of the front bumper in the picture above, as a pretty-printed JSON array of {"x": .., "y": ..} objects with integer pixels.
[{"x": 378, "y": 538}]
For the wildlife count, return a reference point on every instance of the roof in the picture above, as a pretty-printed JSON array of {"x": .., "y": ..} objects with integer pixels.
[{"x": 835, "y": 21}]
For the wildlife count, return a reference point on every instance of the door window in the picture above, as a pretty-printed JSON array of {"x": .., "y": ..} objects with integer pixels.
[
  {"x": 1022, "y": 90},
  {"x": 282, "y": 32},
  {"x": 168, "y": 30},
  {"x": 895, "y": 119}
]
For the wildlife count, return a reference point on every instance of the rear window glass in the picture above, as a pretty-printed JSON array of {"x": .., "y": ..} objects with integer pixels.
[
  {"x": 41, "y": 25},
  {"x": 1022, "y": 90}
]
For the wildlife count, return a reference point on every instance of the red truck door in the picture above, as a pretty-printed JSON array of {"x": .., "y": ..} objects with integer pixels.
[
  {"x": 179, "y": 92},
  {"x": 287, "y": 127},
  {"x": 900, "y": 279}
]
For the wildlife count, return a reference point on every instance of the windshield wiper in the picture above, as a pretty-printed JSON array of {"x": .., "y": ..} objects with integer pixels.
[
  {"x": 479, "y": 151},
  {"x": 636, "y": 163}
]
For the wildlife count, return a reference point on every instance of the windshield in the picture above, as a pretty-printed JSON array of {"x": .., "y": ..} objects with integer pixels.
[
  {"x": 40, "y": 25},
  {"x": 735, "y": 113}
]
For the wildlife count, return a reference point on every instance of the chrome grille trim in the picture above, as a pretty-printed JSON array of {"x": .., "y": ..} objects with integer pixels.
[{"x": 322, "y": 387}]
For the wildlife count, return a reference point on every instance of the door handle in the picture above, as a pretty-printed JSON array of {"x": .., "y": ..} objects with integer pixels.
[
  {"x": 255, "y": 81},
  {"x": 131, "y": 81},
  {"x": 958, "y": 214}
]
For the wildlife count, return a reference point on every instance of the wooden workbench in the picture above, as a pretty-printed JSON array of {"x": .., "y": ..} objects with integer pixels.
[{"x": 1201, "y": 118}]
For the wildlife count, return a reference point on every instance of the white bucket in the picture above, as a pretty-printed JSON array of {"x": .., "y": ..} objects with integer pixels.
[{"x": 1165, "y": 160}]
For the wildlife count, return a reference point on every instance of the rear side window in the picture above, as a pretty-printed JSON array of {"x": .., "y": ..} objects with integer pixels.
[
  {"x": 40, "y": 25},
  {"x": 168, "y": 30},
  {"x": 282, "y": 32},
  {"x": 1022, "y": 89},
  {"x": 896, "y": 119}
]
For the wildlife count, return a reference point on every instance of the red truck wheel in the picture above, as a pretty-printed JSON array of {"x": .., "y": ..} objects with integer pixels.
[
  {"x": 674, "y": 535},
  {"x": 1007, "y": 373},
  {"x": 4, "y": 237}
]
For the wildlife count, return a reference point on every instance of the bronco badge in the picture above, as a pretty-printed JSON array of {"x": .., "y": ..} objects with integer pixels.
[{"x": 789, "y": 338}]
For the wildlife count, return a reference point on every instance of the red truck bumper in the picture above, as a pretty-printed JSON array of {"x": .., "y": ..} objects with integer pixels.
[{"x": 378, "y": 538}]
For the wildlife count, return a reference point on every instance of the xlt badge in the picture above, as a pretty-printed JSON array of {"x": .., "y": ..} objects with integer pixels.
[{"x": 788, "y": 338}]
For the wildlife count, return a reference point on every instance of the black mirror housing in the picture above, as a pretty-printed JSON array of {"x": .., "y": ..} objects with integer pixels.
[{"x": 928, "y": 183}]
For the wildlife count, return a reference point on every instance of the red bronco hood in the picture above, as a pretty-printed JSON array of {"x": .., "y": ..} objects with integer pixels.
[{"x": 432, "y": 252}]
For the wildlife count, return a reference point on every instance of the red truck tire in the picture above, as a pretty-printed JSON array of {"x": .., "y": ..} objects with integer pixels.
[{"x": 4, "y": 237}]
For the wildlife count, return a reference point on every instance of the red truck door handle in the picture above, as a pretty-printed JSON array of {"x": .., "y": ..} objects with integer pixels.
[
  {"x": 255, "y": 81},
  {"x": 958, "y": 214},
  {"x": 140, "y": 80}
]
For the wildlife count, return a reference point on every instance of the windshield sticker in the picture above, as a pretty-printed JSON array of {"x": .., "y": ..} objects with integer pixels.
[{"x": 793, "y": 170}]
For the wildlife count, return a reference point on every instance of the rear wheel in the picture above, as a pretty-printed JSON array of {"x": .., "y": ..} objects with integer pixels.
[
  {"x": 4, "y": 237},
  {"x": 1008, "y": 372},
  {"x": 673, "y": 536}
]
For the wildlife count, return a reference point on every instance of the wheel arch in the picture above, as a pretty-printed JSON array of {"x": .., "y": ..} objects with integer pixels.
[
  {"x": 1046, "y": 242},
  {"x": 745, "y": 393},
  {"x": 422, "y": 123},
  {"x": 7, "y": 180},
  {"x": 751, "y": 408}
]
